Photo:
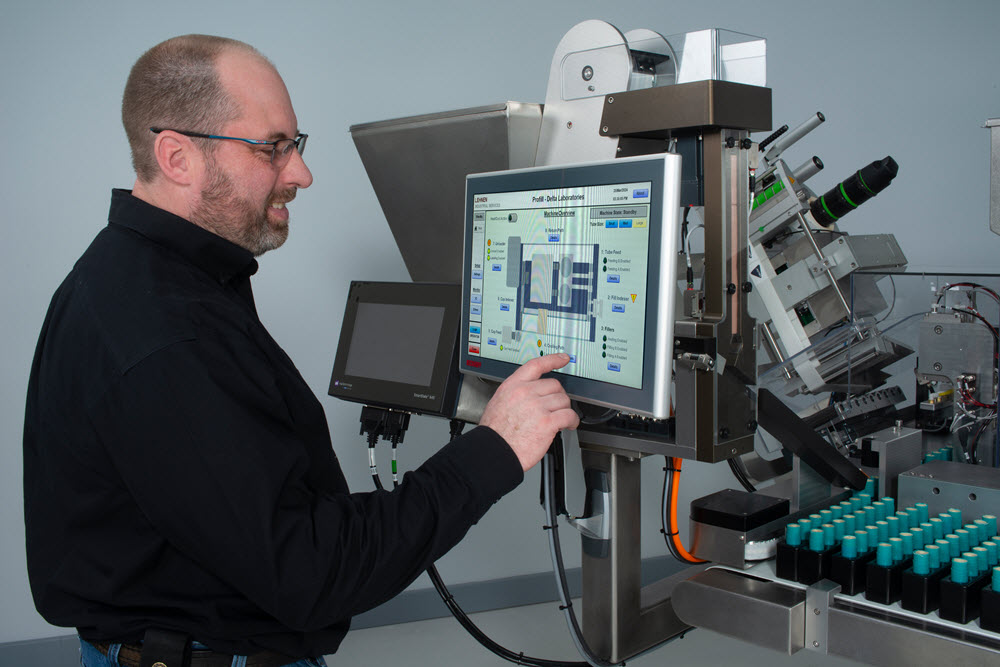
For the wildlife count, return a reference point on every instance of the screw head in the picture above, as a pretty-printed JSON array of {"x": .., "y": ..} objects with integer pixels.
[
  {"x": 731, "y": 288},
  {"x": 939, "y": 330},
  {"x": 604, "y": 129},
  {"x": 938, "y": 366},
  {"x": 748, "y": 287},
  {"x": 611, "y": 100},
  {"x": 587, "y": 73}
]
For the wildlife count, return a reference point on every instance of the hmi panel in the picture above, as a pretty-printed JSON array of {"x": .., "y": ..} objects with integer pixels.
[{"x": 578, "y": 259}]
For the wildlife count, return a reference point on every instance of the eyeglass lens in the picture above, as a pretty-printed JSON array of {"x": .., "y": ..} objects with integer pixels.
[{"x": 283, "y": 149}]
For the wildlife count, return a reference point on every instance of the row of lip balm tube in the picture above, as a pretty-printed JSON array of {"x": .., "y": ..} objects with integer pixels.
[{"x": 895, "y": 556}]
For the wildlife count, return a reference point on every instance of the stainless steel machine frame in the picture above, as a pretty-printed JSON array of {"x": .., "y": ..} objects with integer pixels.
[
  {"x": 606, "y": 97},
  {"x": 789, "y": 617}
]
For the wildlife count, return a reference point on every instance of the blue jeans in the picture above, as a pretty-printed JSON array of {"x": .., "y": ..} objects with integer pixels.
[{"x": 91, "y": 657}]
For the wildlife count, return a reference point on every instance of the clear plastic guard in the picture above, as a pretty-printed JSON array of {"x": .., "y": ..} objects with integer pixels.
[{"x": 720, "y": 54}]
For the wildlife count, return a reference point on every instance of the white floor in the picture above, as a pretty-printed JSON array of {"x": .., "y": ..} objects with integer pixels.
[{"x": 539, "y": 631}]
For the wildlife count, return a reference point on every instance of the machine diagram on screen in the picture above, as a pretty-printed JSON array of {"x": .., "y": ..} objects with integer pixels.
[{"x": 557, "y": 287}]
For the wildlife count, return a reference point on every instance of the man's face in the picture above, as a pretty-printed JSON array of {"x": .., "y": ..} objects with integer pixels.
[{"x": 243, "y": 196}]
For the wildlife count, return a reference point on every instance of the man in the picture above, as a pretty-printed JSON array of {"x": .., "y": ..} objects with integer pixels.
[{"x": 179, "y": 479}]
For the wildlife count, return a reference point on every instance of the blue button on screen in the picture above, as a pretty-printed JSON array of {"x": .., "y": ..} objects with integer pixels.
[
  {"x": 476, "y": 310},
  {"x": 611, "y": 224},
  {"x": 491, "y": 341},
  {"x": 504, "y": 307},
  {"x": 474, "y": 329},
  {"x": 497, "y": 267},
  {"x": 618, "y": 308},
  {"x": 640, "y": 194},
  {"x": 477, "y": 274},
  {"x": 477, "y": 298},
  {"x": 625, "y": 224},
  {"x": 613, "y": 278},
  {"x": 553, "y": 238},
  {"x": 572, "y": 358},
  {"x": 612, "y": 366}
]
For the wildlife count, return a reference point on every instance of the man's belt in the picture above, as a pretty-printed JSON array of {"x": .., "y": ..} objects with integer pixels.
[{"x": 131, "y": 656}]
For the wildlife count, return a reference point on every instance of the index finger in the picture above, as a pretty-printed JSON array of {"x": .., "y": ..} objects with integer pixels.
[{"x": 539, "y": 366}]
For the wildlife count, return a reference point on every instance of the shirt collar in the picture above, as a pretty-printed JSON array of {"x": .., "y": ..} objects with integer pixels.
[{"x": 220, "y": 258}]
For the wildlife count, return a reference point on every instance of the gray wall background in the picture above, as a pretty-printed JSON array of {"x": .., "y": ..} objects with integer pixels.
[{"x": 912, "y": 79}]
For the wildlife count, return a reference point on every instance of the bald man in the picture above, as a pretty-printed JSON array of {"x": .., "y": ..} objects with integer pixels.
[{"x": 183, "y": 503}]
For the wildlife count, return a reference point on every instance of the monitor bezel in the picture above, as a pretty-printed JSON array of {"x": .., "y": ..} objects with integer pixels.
[{"x": 652, "y": 399}]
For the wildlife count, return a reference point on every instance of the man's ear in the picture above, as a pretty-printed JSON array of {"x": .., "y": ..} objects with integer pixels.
[{"x": 179, "y": 160}]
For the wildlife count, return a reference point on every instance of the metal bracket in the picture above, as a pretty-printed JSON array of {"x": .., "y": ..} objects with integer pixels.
[
  {"x": 824, "y": 265},
  {"x": 819, "y": 598},
  {"x": 701, "y": 362},
  {"x": 596, "y": 526}
]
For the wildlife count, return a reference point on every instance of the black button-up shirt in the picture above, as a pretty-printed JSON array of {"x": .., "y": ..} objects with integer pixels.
[{"x": 178, "y": 471}]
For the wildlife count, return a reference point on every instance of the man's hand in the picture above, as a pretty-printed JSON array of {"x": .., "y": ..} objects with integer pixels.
[{"x": 527, "y": 411}]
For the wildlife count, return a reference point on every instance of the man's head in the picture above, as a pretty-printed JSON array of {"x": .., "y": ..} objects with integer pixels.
[{"x": 217, "y": 86}]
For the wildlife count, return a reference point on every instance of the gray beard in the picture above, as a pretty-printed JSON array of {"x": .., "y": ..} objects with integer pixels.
[{"x": 225, "y": 214}]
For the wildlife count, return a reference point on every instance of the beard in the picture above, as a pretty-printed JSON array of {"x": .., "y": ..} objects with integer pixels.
[{"x": 237, "y": 219}]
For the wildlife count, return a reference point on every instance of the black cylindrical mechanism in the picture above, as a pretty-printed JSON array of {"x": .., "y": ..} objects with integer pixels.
[{"x": 854, "y": 191}]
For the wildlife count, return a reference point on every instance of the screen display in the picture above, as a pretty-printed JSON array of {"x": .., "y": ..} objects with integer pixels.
[
  {"x": 579, "y": 259},
  {"x": 562, "y": 270},
  {"x": 378, "y": 351}
]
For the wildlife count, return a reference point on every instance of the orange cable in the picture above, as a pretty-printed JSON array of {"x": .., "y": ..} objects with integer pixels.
[{"x": 675, "y": 536}]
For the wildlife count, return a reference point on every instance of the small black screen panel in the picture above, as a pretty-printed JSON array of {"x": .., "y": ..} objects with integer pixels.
[{"x": 398, "y": 347}]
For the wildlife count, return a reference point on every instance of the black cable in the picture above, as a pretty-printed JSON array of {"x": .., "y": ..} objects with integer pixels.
[
  {"x": 974, "y": 447},
  {"x": 555, "y": 548},
  {"x": 970, "y": 311},
  {"x": 689, "y": 272},
  {"x": 663, "y": 519},
  {"x": 741, "y": 476},
  {"x": 456, "y": 427},
  {"x": 892, "y": 305},
  {"x": 606, "y": 416}
]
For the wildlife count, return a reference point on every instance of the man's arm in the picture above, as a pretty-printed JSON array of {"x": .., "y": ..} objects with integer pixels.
[{"x": 214, "y": 458}]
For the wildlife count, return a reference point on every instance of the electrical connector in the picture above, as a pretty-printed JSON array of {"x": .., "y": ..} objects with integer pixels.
[
  {"x": 372, "y": 423},
  {"x": 395, "y": 425}
]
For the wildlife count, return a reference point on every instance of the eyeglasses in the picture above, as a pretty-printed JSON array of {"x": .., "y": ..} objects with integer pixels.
[{"x": 281, "y": 150}]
